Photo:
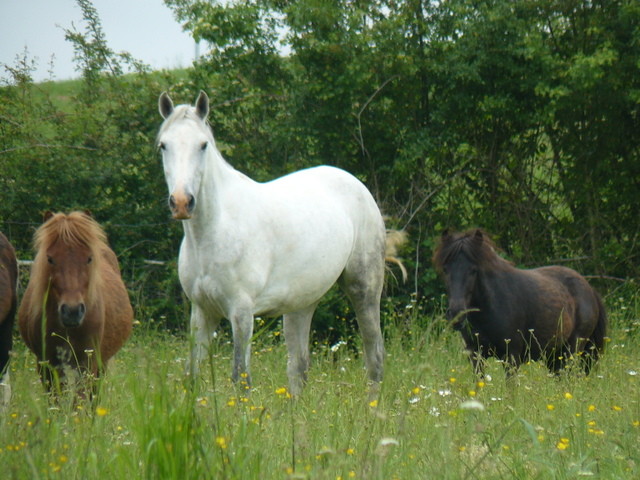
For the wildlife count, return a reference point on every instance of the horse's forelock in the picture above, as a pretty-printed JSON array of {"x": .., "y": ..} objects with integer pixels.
[
  {"x": 181, "y": 112},
  {"x": 476, "y": 244},
  {"x": 75, "y": 229}
]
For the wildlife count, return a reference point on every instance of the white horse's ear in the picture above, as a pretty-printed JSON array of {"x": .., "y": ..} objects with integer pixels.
[
  {"x": 202, "y": 105},
  {"x": 165, "y": 105}
]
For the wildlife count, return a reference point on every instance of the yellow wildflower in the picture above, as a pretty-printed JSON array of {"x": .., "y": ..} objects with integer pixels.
[{"x": 221, "y": 442}]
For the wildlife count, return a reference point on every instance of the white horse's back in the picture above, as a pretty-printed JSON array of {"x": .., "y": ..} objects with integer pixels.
[{"x": 327, "y": 217}]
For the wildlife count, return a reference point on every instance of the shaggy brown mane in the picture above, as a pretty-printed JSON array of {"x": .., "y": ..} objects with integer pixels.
[
  {"x": 476, "y": 244},
  {"x": 76, "y": 229}
]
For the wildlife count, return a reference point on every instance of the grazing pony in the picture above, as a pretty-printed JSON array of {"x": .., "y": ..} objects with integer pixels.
[
  {"x": 547, "y": 313},
  {"x": 8, "y": 306},
  {"x": 75, "y": 314},
  {"x": 271, "y": 248}
]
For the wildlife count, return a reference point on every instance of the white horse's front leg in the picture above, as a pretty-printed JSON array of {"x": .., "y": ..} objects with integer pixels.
[
  {"x": 202, "y": 331},
  {"x": 296, "y": 335},
  {"x": 242, "y": 327}
]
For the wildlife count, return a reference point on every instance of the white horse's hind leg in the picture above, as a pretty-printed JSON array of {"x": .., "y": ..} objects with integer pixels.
[
  {"x": 364, "y": 288},
  {"x": 296, "y": 335},
  {"x": 368, "y": 317},
  {"x": 202, "y": 331}
]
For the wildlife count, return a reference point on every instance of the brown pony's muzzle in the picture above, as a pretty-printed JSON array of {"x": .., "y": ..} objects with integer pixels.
[
  {"x": 182, "y": 205},
  {"x": 72, "y": 316}
]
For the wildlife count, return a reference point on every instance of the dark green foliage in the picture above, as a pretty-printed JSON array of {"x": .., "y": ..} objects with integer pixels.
[{"x": 520, "y": 117}]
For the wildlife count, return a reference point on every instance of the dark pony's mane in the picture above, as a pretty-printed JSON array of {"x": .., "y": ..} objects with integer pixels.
[
  {"x": 475, "y": 244},
  {"x": 75, "y": 230}
]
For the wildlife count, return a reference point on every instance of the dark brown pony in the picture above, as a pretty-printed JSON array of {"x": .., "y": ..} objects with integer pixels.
[
  {"x": 8, "y": 306},
  {"x": 548, "y": 313},
  {"x": 75, "y": 314}
]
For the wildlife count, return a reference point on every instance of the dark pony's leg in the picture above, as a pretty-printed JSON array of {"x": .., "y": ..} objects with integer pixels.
[
  {"x": 556, "y": 359},
  {"x": 6, "y": 337},
  {"x": 477, "y": 362},
  {"x": 594, "y": 346},
  {"x": 510, "y": 366},
  {"x": 474, "y": 349}
]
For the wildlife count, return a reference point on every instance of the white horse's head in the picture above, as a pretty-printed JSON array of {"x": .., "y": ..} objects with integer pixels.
[{"x": 185, "y": 140}]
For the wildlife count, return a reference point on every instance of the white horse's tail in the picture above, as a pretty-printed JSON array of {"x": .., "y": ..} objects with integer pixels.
[{"x": 395, "y": 239}]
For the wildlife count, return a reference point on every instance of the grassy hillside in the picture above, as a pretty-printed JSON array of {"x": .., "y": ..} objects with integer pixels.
[{"x": 433, "y": 419}]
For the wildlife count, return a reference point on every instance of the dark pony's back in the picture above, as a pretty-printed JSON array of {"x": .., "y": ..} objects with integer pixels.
[{"x": 517, "y": 315}]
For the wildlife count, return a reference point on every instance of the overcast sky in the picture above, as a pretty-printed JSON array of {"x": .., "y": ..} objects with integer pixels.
[{"x": 144, "y": 28}]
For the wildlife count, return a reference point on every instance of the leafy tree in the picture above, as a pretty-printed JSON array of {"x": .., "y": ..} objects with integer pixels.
[
  {"x": 520, "y": 117},
  {"x": 93, "y": 150}
]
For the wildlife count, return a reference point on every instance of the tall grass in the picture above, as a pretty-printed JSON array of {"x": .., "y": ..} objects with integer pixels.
[{"x": 433, "y": 418}]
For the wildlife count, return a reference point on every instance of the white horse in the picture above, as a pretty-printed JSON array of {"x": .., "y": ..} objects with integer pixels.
[{"x": 269, "y": 249}]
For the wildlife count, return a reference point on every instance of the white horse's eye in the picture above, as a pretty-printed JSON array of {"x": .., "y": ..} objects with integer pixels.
[
  {"x": 203, "y": 147},
  {"x": 162, "y": 146}
]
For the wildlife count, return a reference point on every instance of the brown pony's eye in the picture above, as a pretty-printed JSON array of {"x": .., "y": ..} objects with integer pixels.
[
  {"x": 50, "y": 260},
  {"x": 90, "y": 260}
]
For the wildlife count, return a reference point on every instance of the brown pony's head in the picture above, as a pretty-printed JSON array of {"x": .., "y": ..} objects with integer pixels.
[
  {"x": 459, "y": 258},
  {"x": 68, "y": 257}
]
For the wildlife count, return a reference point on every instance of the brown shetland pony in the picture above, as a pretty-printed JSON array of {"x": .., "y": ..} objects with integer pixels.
[
  {"x": 75, "y": 314},
  {"x": 547, "y": 313},
  {"x": 8, "y": 306}
]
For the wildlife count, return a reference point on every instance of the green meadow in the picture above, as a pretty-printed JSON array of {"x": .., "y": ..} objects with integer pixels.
[{"x": 431, "y": 419}]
